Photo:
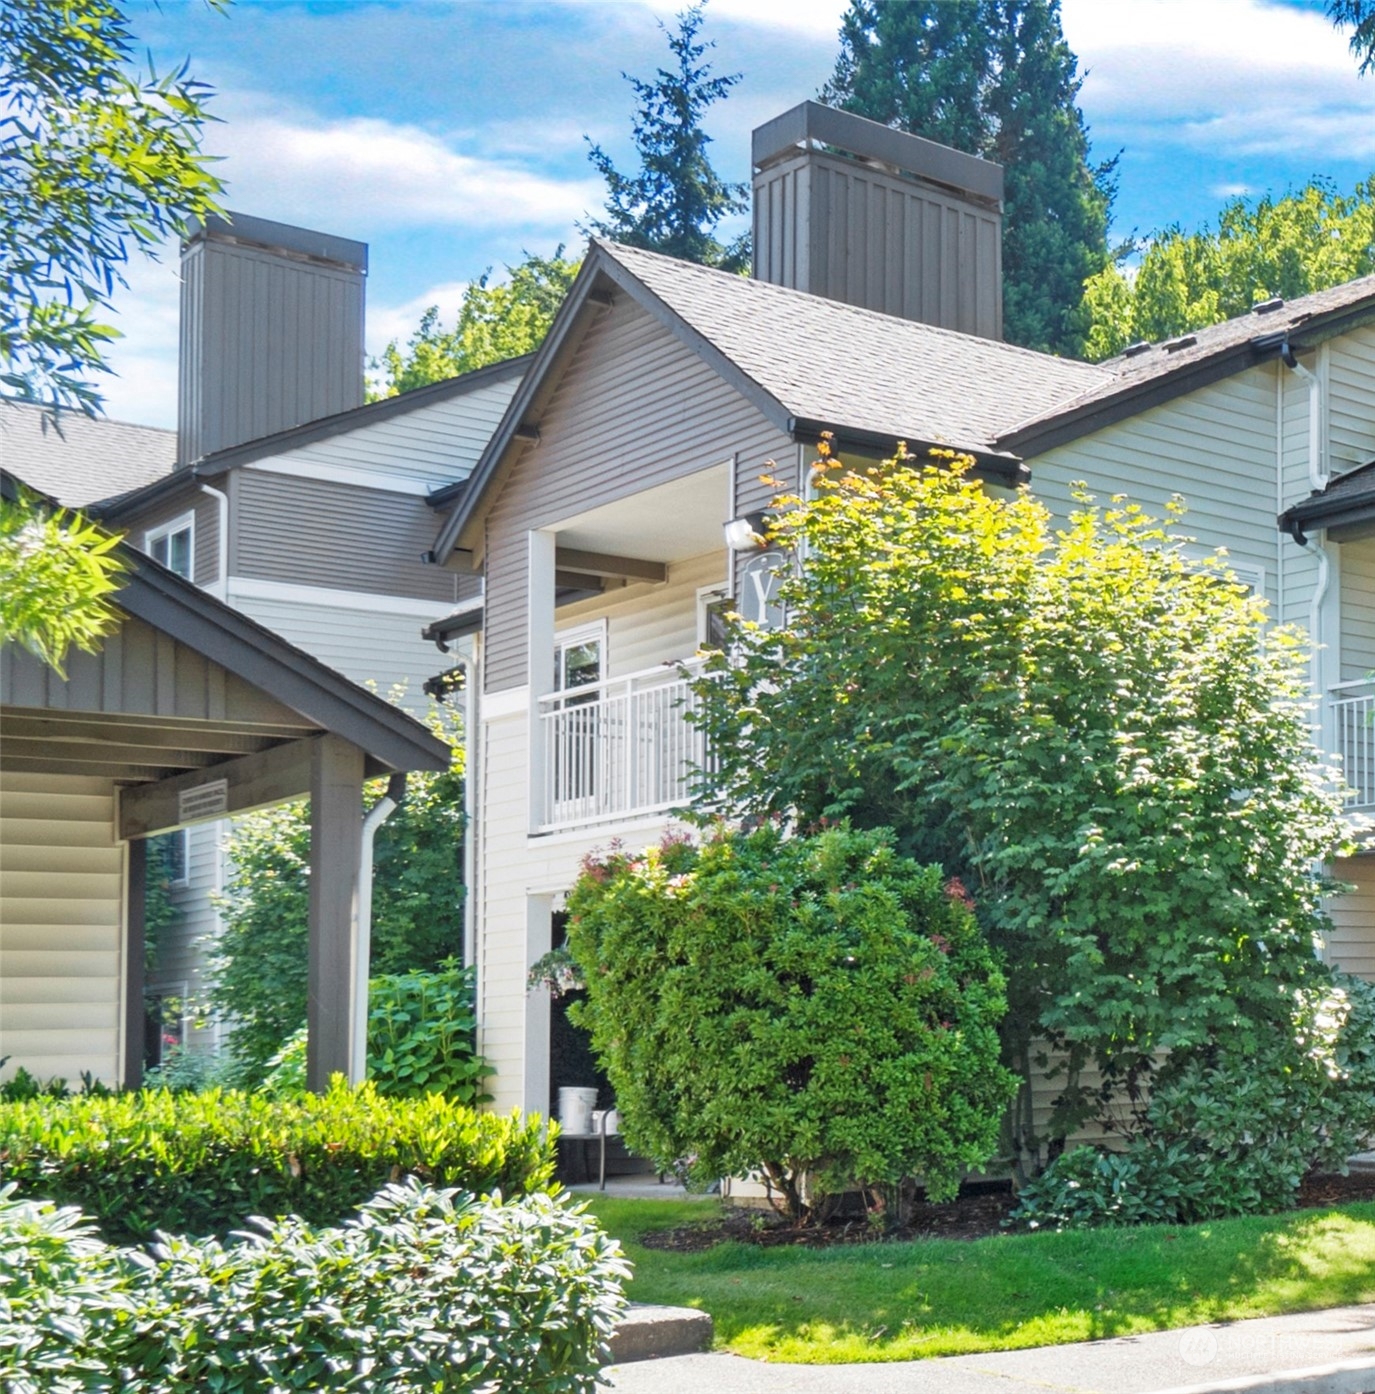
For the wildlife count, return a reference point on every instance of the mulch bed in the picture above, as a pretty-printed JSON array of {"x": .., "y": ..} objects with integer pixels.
[{"x": 975, "y": 1214}]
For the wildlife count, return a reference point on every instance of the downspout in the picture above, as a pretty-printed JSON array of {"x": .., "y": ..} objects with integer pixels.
[
  {"x": 1318, "y": 479},
  {"x": 362, "y": 943},
  {"x": 222, "y": 500},
  {"x": 471, "y": 774}
]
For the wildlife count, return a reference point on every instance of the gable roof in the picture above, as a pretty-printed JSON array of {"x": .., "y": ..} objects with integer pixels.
[
  {"x": 1145, "y": 375},
  {"x": 807, "y": 363},
  {"x": 149, "y": 592},
  {"x": 75, "y": 458}
]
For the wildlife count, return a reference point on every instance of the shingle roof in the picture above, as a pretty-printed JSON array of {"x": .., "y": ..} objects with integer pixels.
[
  {"x": 77, "y": 459},
  {"x": 849, "y": 367}
]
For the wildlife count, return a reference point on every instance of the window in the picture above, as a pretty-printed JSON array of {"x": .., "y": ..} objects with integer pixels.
[
  {"x": 170, "y": 544},
  {"x": 713, "y": 605},
  {"x": 579, "y": 663},
  {"x": 578, "y": 656},
  {"x": 170, "y": 856}
]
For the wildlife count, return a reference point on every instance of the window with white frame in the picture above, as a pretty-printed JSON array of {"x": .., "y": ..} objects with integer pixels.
[
  {"x": 713, "y": 605},
  {"x": 576, "y": 718},
  {"x": 172, "y": 544}
]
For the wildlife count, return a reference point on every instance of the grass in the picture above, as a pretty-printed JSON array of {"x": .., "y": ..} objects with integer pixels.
[{"x": 947, "y": 1297}]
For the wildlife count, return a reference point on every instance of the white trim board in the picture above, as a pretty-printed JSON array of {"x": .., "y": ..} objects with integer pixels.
[
  {"x": 251, "y": 588},
  {"x": 352, "y": 474}
]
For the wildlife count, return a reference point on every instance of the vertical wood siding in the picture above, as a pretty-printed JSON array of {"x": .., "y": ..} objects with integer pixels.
[
  {"x": 314, "y": 532},
  {"x": 636, "y": 408},
  {"x": 61, "y": 916}
]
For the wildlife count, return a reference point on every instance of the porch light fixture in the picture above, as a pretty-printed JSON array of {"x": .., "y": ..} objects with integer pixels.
[{"x": 746, "y": 534}]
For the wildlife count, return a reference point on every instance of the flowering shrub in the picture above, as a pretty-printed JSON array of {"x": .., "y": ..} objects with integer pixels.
[{"x": 818, "y": 1009}]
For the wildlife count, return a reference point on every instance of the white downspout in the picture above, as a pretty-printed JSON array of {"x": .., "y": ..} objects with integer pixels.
[
  {"x": 471, "y": 776},
  {"x": 1318, "y": 478},
  {"x": 222, "y": 500},
  {"x": 362, "y": 940}
]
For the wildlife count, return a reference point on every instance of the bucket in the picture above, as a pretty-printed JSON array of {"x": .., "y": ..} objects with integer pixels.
[{"x": 575, "y": 1109}]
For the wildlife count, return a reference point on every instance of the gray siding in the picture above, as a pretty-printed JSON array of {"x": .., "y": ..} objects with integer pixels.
[
  {"x": 267, "y": 342},
  {"x": 314, "y": 532},
  {"x": 1351, "y": 398},
  {"x": 856, "y": 234},
  {"x": 205, "y": 542},
  {"x": 635, "y": 409},
  {"x": 139, "y": 672}
]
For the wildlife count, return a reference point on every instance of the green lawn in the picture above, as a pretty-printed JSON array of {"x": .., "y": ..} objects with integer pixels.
[{"x": 944, "y": 1297}]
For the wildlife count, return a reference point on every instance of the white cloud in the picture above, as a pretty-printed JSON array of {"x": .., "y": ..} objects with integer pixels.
[
  {"x": 815, "y": 18},
  {"x": 388, "y": 322},
  {"x": 375, "y": 174},
  {"x": 1231, "y": 190},
  {"x": 1245, "y": 75},
  {"x": 145, "y": 359}
]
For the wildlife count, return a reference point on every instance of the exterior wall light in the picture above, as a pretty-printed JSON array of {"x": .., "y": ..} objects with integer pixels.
[{"x": 747, "y": 534}]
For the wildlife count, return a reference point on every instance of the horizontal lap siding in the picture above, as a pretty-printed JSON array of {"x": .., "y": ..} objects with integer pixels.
[
  {"x": 1351, "y": 398},
  {"x": 438, "y": 443},
  {"x": 366, "y": 646},
  {"x": 205, "y": 534},
  {"x": 61, "y": 912},
  {"x": 636, "y": 408},
  {"x": 1215, "y": 448},
  {"x": 1358, "y": 608},
  {"x": 314, "y": 532},
  {"x": 185, "y": 946},
  {"x": 1351, "y": 943}
]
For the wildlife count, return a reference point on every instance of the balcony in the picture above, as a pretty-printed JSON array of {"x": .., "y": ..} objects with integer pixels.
[
  {"x": 1352, "y": 707},
  {"x": 617, "y": 750}
]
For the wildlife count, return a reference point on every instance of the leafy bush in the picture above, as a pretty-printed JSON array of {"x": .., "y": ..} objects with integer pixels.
[
  {"x": 65, "y": 1305},
  {"x": 1079, "y": 718},
  {"x": 260, "y": 965},
  {"x": 423, "y": 1290},
  {"x": 816, "y": 1008},
  {"x": 203, "y": 1163},
  {"x": 1233, "y": 1132}
]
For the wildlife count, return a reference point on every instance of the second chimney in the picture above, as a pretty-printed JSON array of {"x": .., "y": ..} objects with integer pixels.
[
  {"x": 856, "y": 211},
  {"x": 271, "y": 331}
]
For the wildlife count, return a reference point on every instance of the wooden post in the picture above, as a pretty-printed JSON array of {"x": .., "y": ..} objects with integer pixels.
[
  {"x": 336, "y": 814},
  {"x": 135, "y": 927}
]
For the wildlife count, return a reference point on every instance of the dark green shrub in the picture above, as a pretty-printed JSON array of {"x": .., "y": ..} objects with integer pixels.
[
  {"x": 1231, "y": 1131},
  {"x": 815, "y": 1008},
  {"x": 203, "y": 1163},
  {"x": 65, "y": 1303},
  {"x": 423, "y": 1291}
]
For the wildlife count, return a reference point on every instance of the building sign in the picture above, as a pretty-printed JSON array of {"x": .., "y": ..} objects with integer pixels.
[
  {"x": 203, "y": 801},
  {"x": 760, "y": 579}
]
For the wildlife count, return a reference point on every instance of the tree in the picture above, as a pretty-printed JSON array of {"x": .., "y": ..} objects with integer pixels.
[
  {"x": 495, "y": 322},
  {"x": 816, "y": 1008},
  {"x": 1097, "y": 734},
  {"x": 57, "y": 574},
  {"x": 1359, "y": 17},
  {"x": 260, "y": 967},
  {"x": 95, "y": 162},
  {"x": 994, "y": 78},
  {"x": 675, "y": 202},
  {"x": 1286, "y": 247}
]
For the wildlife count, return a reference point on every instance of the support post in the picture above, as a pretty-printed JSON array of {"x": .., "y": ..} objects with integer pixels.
[
  {"x": 135, "y": 927},
  {"x": 539, "y": 939},
  {"x": 336, "y": 812},
  {"x": 539, "y": 648}
]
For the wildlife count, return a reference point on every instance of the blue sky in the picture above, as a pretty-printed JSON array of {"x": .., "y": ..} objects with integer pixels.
[{"x": 449, "y": 134}]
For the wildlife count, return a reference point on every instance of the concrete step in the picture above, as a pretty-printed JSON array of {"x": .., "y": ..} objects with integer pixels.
[{"x": 650, "y": 1333}]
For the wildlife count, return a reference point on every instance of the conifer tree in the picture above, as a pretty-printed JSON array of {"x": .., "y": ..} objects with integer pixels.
[
  {"x": 675, "y": 202},
  {"x": 994, "y": 78}
]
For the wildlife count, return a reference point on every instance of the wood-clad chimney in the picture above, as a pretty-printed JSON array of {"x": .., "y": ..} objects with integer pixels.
[
  {"x": 858, "y": 212},
  {"x": 271, "y": 331}
]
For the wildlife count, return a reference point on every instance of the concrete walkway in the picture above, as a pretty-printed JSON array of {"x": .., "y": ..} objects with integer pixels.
[{"x": 1331, "y": 1352}]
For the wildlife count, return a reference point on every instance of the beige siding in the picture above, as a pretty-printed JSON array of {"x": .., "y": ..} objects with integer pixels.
[
  {"x": 315, "y": 532},
  {"x": 436, "y": 443},
  {"x": 61, "y": 911},
  {"x": 1351, "y": 944},
  {"x": 636, "y": 408}
]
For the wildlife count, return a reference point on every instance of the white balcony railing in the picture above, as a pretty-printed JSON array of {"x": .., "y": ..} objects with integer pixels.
[
  {"x": 617, "y": 749},
  {"x": 1351, "y": 707}
]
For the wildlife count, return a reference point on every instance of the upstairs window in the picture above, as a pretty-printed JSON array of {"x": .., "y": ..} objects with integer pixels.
[{"x": 170, "y": 544}]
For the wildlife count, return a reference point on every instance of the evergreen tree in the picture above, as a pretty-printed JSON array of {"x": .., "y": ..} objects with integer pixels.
[
  {"x": 675, "y": 202},
  {"x": 994, "y": 78}
]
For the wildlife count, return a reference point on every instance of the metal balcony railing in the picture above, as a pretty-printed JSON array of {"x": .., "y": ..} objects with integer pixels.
[
  {"x": 1351, "y": 709},
  {"x": 617, "y": 749}
]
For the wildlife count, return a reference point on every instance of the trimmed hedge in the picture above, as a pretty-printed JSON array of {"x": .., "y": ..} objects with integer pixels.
[
  {"x": 204, "y": 1163},
  {"x": 424, "y": 1290}
]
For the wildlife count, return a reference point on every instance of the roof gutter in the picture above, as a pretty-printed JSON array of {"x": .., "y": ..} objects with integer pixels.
[{"x": 995, "y": 466}]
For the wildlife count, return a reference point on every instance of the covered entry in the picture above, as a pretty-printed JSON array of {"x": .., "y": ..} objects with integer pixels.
[{"x": 189, "y": 712}]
